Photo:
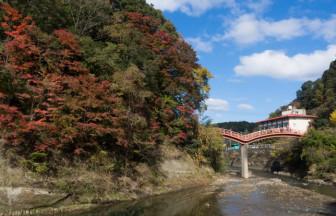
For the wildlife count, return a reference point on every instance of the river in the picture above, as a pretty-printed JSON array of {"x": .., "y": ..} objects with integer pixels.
[{"x": 261, "y": 195}]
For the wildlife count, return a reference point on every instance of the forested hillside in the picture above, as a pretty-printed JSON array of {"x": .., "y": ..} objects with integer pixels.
[
  {"x": 242, "y": 126},
  {"x": 82, "y": 77},
  {"x": 315, "y": 154},
  {"x": 318, "y": 97}
]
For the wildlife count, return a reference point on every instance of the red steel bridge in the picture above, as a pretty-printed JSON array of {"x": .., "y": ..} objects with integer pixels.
[
  {"x": 292, "y": 123},
  {"x": 245, "y": 139},
  {"x": 260, "y": 135}
]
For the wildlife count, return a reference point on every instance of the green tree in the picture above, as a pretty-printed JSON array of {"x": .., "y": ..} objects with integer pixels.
[
  {"x": 318, "y": 97},
  {"x": 319, "y": 150},
  {"x": 306, "y": 94},
  {"x": 242, "y": 126},
  {"x": 202, "y": 76},
  {"x": 87, "y": 16},
  {"x": 211, "y": 147}
]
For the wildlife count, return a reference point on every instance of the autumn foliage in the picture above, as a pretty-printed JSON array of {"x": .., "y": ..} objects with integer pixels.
[
  {"x": 128, "y": 88},
  {"x": 54, "y": 102}
]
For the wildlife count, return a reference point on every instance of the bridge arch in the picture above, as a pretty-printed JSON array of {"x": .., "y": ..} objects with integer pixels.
[
  {"x": 246, "y": 139},
  {"x": 260, "y": 135},
  {"x": 274, "y": 136}
]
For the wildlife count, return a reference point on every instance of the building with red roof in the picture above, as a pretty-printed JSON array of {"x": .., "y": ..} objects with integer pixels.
[{"x": 292, "y": 118}]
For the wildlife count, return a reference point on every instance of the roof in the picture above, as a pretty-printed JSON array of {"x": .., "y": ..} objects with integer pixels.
[{"x": 288, "y": 116}]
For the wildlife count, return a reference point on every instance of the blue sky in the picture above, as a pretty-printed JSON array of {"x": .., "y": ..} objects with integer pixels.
[{"x": 259, "y": 51}]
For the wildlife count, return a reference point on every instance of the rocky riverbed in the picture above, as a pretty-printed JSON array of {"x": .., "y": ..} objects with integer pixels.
[
  {"x": 229, "y": 195},
  {"x": 262, "y": 196}
]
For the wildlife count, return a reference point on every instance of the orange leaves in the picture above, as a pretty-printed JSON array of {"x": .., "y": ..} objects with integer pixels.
[
  {"x": 42, "y": 73},
  {"x": 56, "y": 103},
  {"x": 23, "y": 96},
  {"x": 185, "y": 109},
  {"x": 40, "y": 112},
  {"x": 68, "y": 55},
  {"x": 68, "y": 40},
  {"x": 27, "y": 53},
  {"x": 11, "y": 16},
  {"x": 8, "y": 109},
  {"x": 26, "y": 76},
  {"x": 41, "y": 147},
  {"x": 163, "y": 39},
  {"x": 71, "y": 67},
  {"x": 94, "y": 129},
  {"x": 46, "y": 145},
  {"x": 10, "y": 120},
  {"x": 143, "y": 22},
  {"x": 14, "y": 25},
  {"x": 18, "y": 31}
]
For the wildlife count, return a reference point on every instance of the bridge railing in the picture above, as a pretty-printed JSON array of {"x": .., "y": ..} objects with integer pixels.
[
  {"x": 233, "y": 134},
  {"x": 254, "y": 135}
]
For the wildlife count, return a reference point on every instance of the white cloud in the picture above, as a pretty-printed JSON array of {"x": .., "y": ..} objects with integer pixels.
[
  {"x": 244, "y": 106},
  {"x": 325, "y": 29},
  {"x": 191, "y": 7},
  {"x": 197, "y": 7},
  {"x": 278, "y": 64},
  {"x": 258, "y": 6},
  {"x": 215, "y": 105},
  {"x": 200, "y": 44},
  {"x": 248, "y": 29}
]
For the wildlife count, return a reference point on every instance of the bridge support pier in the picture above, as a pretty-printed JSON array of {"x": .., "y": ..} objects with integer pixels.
[{"x": 244, "y": 161}]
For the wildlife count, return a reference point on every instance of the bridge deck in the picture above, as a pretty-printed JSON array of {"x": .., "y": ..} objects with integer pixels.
[{"x": 260, "y": 135}]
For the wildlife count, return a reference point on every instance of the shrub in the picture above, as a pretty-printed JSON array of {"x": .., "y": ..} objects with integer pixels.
[
  {"x": 37, "y": 162},
  {"x": 319, "y": 149},
  {"x": 210, "y": 148}
]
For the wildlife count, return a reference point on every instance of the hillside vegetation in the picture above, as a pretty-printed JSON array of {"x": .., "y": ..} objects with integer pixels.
[
  {"x": 315, "y": 154},
  {"x": 101, "y": 85},
  {"x": 241, "y": 126}
]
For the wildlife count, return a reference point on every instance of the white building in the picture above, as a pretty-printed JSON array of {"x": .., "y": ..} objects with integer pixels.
[
  {"x": 292, "y": 110},
  {"x": 293, "y": 118}
]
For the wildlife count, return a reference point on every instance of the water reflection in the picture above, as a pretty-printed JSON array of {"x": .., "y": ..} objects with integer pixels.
[
  {"x": 191, "y": 202},
  {"x": 258, "y": 196}
]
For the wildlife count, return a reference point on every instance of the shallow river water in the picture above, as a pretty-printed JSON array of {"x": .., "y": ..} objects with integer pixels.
[{"x": 260, "y": 196}]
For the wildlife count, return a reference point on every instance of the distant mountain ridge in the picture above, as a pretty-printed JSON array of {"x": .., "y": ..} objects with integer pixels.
[{"x": 239, "y": 126}]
